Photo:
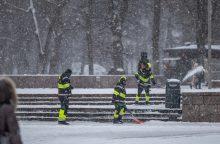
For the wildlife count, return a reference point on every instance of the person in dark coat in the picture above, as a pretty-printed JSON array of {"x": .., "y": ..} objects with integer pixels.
[
  {"x": 64, "y": 91},
  {"x": 9, "y": 128}
]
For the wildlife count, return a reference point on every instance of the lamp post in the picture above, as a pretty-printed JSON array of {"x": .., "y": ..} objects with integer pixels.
[{"x": 209, "y": 43}]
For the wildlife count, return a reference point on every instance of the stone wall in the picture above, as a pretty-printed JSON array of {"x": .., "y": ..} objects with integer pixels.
[
  {"x": 216, "y": 83},
  {"x": 50, "y": 81},
  {"x": 201, "y": 107}
]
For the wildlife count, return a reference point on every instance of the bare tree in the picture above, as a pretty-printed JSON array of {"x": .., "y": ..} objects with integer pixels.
[{"x": 198, "y": 11}]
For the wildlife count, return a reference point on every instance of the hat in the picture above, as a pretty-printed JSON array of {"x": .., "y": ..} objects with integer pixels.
[{"x": 68, "y": 71}]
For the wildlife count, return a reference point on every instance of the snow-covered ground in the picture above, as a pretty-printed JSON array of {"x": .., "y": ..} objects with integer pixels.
[{"x": 152, "y": 132}]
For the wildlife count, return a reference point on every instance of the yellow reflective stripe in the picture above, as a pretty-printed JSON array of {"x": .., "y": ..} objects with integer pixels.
[
  {"x": 143, "y": 79},
  {"x": 116, "y": 93},
  {"x": 149, "y": 65},
  {"x": 116, "y": 114},
  {"x": 119, "y": 94},
  {"x": 60, "y": 86},
  {"x": 151, "y": 76},
  {"x": 137, "y": 98},
  {"x": 147, "y": 97},
  {"x": 66, "y": 85},
  {"x": 122, "y": 112},
  {"x": 122, "y": 95},
  {"x": 63, "y": 86},
  {"x": 62, "y": 116}
]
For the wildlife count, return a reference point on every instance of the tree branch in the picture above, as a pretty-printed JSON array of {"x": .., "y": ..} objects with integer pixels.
[
  {"x": 37, "y": 32},
  {"x": 185, "y": 4},
  {"x": 15, "y": 7},
  {"x": 32, "y": 9},
  {"x": 6, "y": 38}
]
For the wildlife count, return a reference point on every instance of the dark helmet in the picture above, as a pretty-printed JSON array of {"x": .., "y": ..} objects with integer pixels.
[
  {"x": 68, "y": 71},
  {"x": 143, "y": 54},
  {"x": 122, "y": 80}
]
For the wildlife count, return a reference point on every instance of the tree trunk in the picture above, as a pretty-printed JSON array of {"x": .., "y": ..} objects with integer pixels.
[
  {"x": 201, "y": 29},
  {"x": 118, "y": 10},
  {"x": 156, "y": 35},
  {"x": 6, "y": 58},
  {"x": 54, "y": 61},
  {"x": 89, "y": 37},
  {"x": 58, "y": 29},
  {"x": 44, "y": 59}
]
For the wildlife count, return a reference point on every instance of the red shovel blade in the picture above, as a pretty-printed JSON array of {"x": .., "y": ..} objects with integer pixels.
[{"x": 137, "y": 121}]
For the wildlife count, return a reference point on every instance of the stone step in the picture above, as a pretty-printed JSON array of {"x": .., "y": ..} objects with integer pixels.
[
  {"x": 22, "y": 99},
  {"x": 95, "y": 109},
  {"x": 99, "y": 119},
  {"x": 102, "y": 114},
  {"x": 87, "y": 103},
  {"x": 85, "y": 95}
]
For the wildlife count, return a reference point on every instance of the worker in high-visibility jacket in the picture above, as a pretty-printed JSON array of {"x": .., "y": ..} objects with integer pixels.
[
  {"x": 64, "y": 91},
  {"x": 144, "y": 78},
  {"x": 118, "y": 100}
]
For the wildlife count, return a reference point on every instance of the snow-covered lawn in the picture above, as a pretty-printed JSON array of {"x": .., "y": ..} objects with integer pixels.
[{"x": 153, "y": 132}]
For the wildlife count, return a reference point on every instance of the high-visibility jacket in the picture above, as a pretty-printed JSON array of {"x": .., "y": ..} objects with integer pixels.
[
  {"x": 119, "y": 94},
  {"x": 144, "y": 77},
  {"x": 64, "y": 85}
]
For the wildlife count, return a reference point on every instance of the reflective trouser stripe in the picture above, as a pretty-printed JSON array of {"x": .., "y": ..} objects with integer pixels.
[
  {"x": 116, "y": 115},
  {"x": 137, "y": 98},
  {"x": 121, "y": 113},
  {"x": 147, "y": 97},
  {"x": 62, "y": 116}
]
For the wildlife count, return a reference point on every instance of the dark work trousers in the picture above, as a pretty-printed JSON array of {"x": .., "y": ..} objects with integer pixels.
[
  {"x": 64, "y": 101},
  {"x": 140, "y": 89}
]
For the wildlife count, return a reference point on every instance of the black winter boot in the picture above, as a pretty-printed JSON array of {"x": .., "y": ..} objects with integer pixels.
[
  {"x": 120, "y": 120},
  {"x": 63, "y": 123},
  {"x": 115, "y": 121}
]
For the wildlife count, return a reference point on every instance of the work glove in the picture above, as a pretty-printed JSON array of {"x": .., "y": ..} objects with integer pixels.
[
  {"x": 136, "y": 76},
  {"x": 153, "y": 81}
]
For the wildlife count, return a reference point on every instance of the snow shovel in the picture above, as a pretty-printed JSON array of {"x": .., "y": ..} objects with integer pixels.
[{"x": 135, "y": 120}]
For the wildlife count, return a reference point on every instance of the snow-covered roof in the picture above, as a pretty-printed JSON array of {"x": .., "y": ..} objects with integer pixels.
[
  {"x": 173, "y": 80},
  {"x": 171, "y": 59}
]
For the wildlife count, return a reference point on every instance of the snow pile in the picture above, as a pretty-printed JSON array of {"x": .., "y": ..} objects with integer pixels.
[
  {"x": 98, "y": 70},
  {"x": 198, "y": 69},
  {"x": 173, "y": 80}
]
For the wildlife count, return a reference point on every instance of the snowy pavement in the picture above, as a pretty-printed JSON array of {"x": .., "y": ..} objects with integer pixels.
[{"x": 153, "y": 132}]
